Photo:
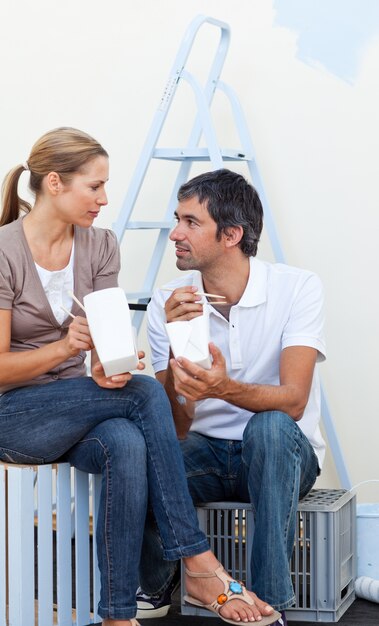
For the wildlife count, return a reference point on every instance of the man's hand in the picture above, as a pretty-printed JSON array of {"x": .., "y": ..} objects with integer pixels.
[
  {"x": 183, "y": 304},
  {"x": 113, "y": 382},
  {"x": 196, "y": 383},
  {"x": 290, "y": 395}
]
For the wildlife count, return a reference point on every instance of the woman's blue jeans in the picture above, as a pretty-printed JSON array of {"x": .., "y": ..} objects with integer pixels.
[
  {"x": 272, "y": 467},
  {"x": 128, "y": 436}
]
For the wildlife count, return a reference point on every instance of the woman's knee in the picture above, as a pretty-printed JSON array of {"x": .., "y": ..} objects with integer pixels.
[
  {"x": 120, "y": 441},
  {"x": 146, "y": 386}
]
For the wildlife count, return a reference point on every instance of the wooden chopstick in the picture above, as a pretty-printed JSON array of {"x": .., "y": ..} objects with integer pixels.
[
  {"x": 67, "y": 312},
  {"x": 198, "y": 293},
  {"x": 73, "y": 296}
]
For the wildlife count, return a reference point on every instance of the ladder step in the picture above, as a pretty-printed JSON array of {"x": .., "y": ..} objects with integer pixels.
[
  {"x": 198, "y": 154},
  {"x": 151, "y": 225},
  {"x": 140, "y": 306},
  {"x": 138, "y": 295}
]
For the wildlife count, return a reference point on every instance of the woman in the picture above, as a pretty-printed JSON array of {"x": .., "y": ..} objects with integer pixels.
[{"x": 50, "y": 410}]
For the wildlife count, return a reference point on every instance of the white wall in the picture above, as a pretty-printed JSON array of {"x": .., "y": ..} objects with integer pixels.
[{"x": 102, "y": 67}]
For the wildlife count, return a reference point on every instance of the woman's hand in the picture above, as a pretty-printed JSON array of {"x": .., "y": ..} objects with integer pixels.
[
  {"x": 113, "y": 382},
  {"x": 78, "y": 336}
]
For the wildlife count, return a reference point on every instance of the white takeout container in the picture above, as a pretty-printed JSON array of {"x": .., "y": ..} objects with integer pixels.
[
  {"x": 111, "y": 329},
  {"x": 190, "y": 339}
]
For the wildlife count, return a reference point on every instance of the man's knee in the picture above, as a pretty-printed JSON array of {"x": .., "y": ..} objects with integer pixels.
[
  {"x": 268, "y": 429},
  {"x": 193, "y": 448}
]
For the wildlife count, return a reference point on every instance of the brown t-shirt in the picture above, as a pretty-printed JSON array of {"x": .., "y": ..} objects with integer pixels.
[{"x": 96, "y": 266}]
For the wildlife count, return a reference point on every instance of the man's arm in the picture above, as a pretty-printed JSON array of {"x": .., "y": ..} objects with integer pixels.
[
  {"x": 159, "y": 311},
  {"x": 290, "y": 396},
  {"x": 186, "y": 380}
]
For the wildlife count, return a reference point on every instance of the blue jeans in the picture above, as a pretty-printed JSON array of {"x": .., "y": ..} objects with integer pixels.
[
  {"x": 272, "y": 467},
  {"x": 127, "y": 435}
]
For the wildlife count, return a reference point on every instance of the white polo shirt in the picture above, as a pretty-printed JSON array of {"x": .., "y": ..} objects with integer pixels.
[{"x": 281, "y": 306}]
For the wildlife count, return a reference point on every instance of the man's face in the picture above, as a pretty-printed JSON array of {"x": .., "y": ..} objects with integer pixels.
[{"x": 194, "y": 235}]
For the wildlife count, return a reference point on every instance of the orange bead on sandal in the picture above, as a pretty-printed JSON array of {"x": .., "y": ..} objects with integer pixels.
[{"x": 233, "y": 590}]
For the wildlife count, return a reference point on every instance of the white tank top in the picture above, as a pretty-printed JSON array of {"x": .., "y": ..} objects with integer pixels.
[{"x": 56, "y": 284}]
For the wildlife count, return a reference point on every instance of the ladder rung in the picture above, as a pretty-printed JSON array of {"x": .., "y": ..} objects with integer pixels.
[
  {"x": 147, "y": 225},
  {"x": 138, "y": 295},
  {"x": 140, "y": 306},
  {"x": 198, "y": 154}
]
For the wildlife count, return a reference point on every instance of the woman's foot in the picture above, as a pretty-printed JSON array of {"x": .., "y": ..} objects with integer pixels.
[{"x": 207, "y": 590}]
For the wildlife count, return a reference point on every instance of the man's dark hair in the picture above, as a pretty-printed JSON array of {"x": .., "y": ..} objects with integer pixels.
[{"x": 231, "y": 201}]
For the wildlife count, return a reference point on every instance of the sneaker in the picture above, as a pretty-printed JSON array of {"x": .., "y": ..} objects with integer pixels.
[
  {"x": 282, "y": 621},
  {"x": 156, "y": 605}
]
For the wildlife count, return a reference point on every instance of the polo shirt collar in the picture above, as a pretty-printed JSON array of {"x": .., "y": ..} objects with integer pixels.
[
  {"x": 256, "y": 288},
  {"x": 198, "y": 281}
]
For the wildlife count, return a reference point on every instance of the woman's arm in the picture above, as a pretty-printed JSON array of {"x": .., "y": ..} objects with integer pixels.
[{"x": 17, "y": 367}]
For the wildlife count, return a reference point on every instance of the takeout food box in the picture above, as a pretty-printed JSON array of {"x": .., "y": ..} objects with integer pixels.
[
  {"x": 190, "y": 339},
  {"x": 110, "y": 325}
]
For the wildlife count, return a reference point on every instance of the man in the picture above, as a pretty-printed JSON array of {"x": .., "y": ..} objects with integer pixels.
[{"x": 249, "y": 425}]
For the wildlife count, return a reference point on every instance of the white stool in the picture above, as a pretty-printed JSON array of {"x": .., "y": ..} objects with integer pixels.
[{"x": 43, "y": 498}]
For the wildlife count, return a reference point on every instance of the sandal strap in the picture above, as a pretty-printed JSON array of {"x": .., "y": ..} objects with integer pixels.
[
  {"x": 228, "y": 593},
  {"x": 200, "y": 574},
  {"x": 232, "y": 596}
]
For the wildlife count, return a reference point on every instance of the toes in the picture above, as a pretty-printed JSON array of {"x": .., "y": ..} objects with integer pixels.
[
  {"x": 245, "y": 615},
  {"x": 240, "y": 612},
  {"x": 235, "y": 616},
  {"x": 262, "y": 606}
]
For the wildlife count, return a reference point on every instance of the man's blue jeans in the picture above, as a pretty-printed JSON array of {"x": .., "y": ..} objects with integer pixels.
[
  {"x": 128, "y": 436},
  {"x": 272, "y": 467}
]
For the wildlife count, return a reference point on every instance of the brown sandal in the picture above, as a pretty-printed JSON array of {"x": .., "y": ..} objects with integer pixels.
[{"x": 233, "y": 590}]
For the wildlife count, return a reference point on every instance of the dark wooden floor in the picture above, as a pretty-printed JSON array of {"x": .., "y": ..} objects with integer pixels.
[{"x": 360, "y": 613}]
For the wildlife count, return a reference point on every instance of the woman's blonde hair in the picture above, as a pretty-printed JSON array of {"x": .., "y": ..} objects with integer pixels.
[{"x": 63, "y": 150}]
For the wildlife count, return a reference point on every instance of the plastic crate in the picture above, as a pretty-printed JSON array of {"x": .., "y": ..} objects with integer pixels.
[{"x": 323, "y": 564}]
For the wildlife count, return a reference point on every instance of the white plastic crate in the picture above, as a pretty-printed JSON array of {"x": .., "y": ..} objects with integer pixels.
[
  {"x": 45, "y": 514},
  {"x": 323, "y": 564}
]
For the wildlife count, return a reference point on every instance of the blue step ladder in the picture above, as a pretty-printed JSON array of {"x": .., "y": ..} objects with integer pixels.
[{"x": 217, "y": 156}]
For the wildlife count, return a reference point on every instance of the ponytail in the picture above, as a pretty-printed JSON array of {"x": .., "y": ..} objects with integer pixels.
[
  {"x": 12, "y": 204},
  {"x": 63, "y": 150}
]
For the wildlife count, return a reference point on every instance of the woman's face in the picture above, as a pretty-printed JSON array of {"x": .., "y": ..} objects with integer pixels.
[{"x": 80, "y": 200}]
